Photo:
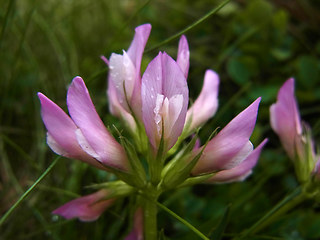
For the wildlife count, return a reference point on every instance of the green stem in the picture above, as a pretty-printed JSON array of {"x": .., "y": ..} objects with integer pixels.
[
  {"x": 26, "y": 193},
  {"x": 285, "y": 205},
  {"x": 150, "y": 210}
]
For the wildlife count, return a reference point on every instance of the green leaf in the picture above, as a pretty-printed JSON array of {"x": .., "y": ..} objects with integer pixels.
[
  {"x": 218, "y": 232},
  {"x": 308, "y": 71},
  {"x": 238, "y": 71}
]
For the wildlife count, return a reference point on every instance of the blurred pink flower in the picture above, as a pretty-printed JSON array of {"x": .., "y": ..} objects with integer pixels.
[
  {"x": 297, "y": 140},
  {"x": 87, "y": 208},
  {"x": 137, "y": 231},
  {"x": 285, "y": 119}
]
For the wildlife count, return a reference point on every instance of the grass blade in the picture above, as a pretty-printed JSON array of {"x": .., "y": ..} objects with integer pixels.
[
  {"x": 26, "y": 193},
  {"x": 209, "y": 14},
  {"x": 187, "y": 224}
]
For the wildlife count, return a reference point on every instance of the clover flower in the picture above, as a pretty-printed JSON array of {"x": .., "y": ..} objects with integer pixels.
[{"x": 154, "y": 108}]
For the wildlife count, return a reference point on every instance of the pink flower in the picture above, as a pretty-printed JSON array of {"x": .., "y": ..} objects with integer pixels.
[
  {"x": 206, "y": 104},
  {"x": 87, "y": 208},
  {"x": 124, "y": 81},
  {"x": 285, "y": 119},
  {"x": 183, "y": 55},
  {"x": 83, "y": 136},
  {"x": 231, "y": 148},
  {"x": 164, "y": 95},
  {"x": 137, "y": 231},
  {"x": 297, "y": 141}
]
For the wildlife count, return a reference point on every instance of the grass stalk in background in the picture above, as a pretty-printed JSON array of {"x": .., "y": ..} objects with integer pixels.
[{"x": 26, "y": 193}]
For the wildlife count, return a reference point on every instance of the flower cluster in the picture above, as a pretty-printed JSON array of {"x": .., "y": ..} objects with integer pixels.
[{"x": 154, "y": 108}]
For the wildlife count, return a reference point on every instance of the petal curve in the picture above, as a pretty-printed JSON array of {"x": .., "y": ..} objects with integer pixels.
[
  {"x": 241, "y": 171},
  {"x": 84, "y": 114},
  {"x": 222, "y": 149}
]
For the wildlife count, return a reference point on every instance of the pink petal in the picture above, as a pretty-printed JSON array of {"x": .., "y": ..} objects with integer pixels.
[
  {"x": 61, "y": 136},
  {"x": 126, "y": 69},
  {"x": 137, "y": 231},
  {"x": 87, "y": 208},
  {"x": 241, "y": 171},
  {"x": 164, "y": 81},
  {"x": 117, "y": 110},
  {"x": 183, "y": 55},
  {"x": 285, "y": 118},
  {"x": 87, "y": 119},
  {"x": 240, "y": 156},
  {"x": 221, "y": 150},
  {"x": 106, "y": 61},
  {"x": 206, "y": 104},
  {"x": 138, "y": 44},
  {"x": 122, "y": 74}
]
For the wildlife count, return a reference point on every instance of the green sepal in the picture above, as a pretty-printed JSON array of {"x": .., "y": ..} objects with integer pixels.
[
  {"x": 137, "y": 176},
  {"x": 116, "y": 189},
  {"x": 196, "y": 180},
  {"x": 304, "y": 162},
  {"x": 156, "y": 162},
  {"x": 178, "y": 157},
  {"x": 135, "y": 163},
  {"x": 181, "y": 167}
]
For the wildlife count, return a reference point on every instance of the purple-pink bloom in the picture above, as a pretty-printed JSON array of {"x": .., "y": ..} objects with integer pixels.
[
  {"x": 241, "y": 171},
  {"x": 206, "y": 104},
  {"x": 285, "y": 119},
  {"x": 124, "y": 81},
  {"x": 297, "y": 141},
  {"x": 83, "y": 136},
  {"x": 137, "y": 231},
  {"x": 231, "y": 145},
  {"x": 87, "y": 208},
  {"x": 164, "y": 95},
  {"x": 183, "y": 55}
]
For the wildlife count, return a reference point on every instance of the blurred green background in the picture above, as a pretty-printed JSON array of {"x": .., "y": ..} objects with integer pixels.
[{"x": 254, "y": 45}]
